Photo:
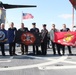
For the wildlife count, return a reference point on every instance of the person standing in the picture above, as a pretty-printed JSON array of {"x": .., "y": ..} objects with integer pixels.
[
  {"x": 24, "y": 48},
  {"x": 53, "y": 30},
  {"x": 36, "y": 31},
  {"x": 62, "y": 46},
  {"x": 3, "y": 38},
  {"x": 11, "y": 39},
  {"x": 44, "y": 38}
]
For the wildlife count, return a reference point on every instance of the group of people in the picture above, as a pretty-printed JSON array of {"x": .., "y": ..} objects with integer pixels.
[
  {"x": 11, "y": 34},
  {"x": 59, "y": 46}
]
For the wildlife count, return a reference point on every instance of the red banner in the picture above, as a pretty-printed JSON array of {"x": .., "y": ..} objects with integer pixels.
[{"x": 65, "y": 38}]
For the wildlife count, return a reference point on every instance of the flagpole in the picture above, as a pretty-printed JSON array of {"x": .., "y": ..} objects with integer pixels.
[
  {"x": 22, "y": 17},
  {"x": 72, "y": 18}
]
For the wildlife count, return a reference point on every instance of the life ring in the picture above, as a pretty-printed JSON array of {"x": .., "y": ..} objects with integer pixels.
[{"x": 28, "y": 38}]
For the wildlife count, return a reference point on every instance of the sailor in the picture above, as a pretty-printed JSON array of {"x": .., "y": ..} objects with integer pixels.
[{"x": 34, "y": 30}]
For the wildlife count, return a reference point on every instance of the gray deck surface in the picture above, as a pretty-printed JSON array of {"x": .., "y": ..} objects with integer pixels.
[{"x": 39, "y": 64}]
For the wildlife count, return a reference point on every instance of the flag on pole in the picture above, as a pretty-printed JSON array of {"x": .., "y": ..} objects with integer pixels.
[
  {"x": 27, "y": 16},
  {"x": 73, "y": 2}
]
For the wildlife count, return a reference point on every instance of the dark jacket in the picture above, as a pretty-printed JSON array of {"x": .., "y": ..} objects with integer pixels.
[
  {"x": 25, "y": 29},
  {"x": 11, "y": 34},
  {"x": 67, "y": 29},
  {"x": 34, "y": 30}
]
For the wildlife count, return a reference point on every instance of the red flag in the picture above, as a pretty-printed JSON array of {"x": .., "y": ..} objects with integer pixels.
[
  {"x": 65, "y": 38},
  {"x": 73, "y": 2},
  {"x": 27, "y": 16}
]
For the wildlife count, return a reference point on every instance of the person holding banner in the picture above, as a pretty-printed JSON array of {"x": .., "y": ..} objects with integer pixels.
[
  {"x": 53, "y": 30},
  {"x": 11, "y": 39},
  {"x": 24, "y": 48},
  {"x": 34, "y": 30},
  {"x": 3, "y": 38},
  {"x": 62, "y": 46}
]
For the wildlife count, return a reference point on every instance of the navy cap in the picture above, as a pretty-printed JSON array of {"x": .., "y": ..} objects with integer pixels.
[{"x": 34, "y": 23}]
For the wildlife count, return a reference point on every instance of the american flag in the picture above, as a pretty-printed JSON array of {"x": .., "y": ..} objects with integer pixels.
[{"x": 27, "y": 16}]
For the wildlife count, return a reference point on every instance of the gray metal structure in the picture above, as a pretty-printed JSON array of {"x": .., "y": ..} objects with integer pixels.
[
  {"x": 39, "y": 64},
  {"x": 2, "y": 15},
  {"x": 9, "y": 6}
]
